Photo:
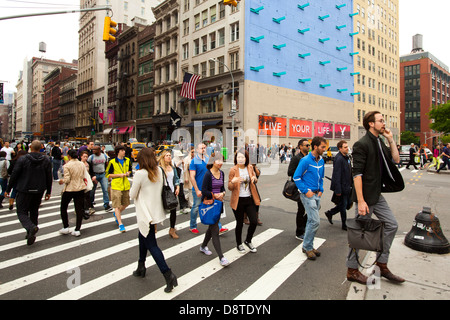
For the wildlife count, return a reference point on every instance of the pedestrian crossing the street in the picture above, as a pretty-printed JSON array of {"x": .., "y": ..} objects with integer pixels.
[{"x": 99, "y": 264}]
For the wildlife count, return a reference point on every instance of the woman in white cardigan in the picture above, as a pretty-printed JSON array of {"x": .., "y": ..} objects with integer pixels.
[{"x": 146, "y": 193}]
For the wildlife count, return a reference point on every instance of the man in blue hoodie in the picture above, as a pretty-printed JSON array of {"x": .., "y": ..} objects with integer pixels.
[{"x": 308, "y": 178}]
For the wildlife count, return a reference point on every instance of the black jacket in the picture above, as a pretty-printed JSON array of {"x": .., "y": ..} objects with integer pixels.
[
  {"x": 294, "y": 163},
  {"x": 32, "y": 174},
  {"x": 341, "y": 180},
  {"x": 375, "y": 179}
]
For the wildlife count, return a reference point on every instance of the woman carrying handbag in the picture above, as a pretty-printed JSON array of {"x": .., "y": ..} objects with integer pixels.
[
  {"x": 146, "y": 193},
  {"x": 165, "y": 161},
  {"x": 213, "y": 188},
  {"x": 244, "y": 198},
  {"x": 75, "y": 186}
]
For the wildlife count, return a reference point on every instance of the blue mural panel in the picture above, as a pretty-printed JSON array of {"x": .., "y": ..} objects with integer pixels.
[{"x": 301, "y": 45}]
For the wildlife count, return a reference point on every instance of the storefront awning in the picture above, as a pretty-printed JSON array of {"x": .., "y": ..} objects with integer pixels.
[
  {"x": 130, "y": 129},
  {"x": 107, "y": 131},
  {"x": 231, "y": 90},
  {"x": 121, "y": 130},
  {"x": 209, "y": 95},
  {"x": 206, "y": 123}
]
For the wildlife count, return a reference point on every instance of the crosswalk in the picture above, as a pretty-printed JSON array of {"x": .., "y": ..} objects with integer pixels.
[{"x": 99, "y": 264}]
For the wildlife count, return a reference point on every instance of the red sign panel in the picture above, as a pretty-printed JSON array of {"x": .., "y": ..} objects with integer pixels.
[
  {"x": 341, "y": 131},
  {"x": 300, "y": 128},
  {"x": 323, "y": 129},
  {"x": 272, "y": 126}
]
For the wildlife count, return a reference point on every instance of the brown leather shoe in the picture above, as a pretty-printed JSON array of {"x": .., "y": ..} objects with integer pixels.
[
  {"x": 354, "y": 275},
  {"x": 385, "y": 272},
  {"x": 310, "y": 254}
]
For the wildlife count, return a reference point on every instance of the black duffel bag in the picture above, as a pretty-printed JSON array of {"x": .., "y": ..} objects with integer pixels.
[{"x": 290, "y": 191}]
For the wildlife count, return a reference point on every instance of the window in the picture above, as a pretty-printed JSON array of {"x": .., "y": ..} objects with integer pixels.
[
  {"x": 221, "y": 62},
  {"x": 197, "y": 21},
  {"x": 196, "y": 47},
  {"x": 234, "y": 60},
  {"x": 221, "y": 37},
  {"x": 186, "y": 27},
  {"x": 212, "y": 14},
  {"x": 146, "y": 48},
  {"x": 203, "y": 65},
  {"x": 145, "y": 67},
  {"x": 185, "y": 51},
  {"x": 234, "y": 32},
  {"x": 205, "y": 17},
  {"x": 145, "y": 87},
  {"x": 212, "y": 40},
  {"x": 145, "y": 109},
  {"x": 204, "y": 44},
  {"x": 212, "y": 68}
]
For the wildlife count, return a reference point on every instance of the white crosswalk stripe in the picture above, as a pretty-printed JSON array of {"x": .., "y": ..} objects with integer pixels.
[{"x": 54, "y": 255}]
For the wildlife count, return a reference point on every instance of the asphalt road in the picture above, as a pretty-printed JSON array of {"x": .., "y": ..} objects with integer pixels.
[{"x": 98, "y": 265}]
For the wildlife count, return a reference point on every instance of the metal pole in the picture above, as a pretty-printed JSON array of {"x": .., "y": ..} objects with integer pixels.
[
  {"x": 54, "y": 12},
  {"x": 233, "y": 109}
]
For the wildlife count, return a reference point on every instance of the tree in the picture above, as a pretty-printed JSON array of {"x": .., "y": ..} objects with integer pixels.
[
  {"x": 408, "y": 137},
  {"x": 441, "y": 118}
]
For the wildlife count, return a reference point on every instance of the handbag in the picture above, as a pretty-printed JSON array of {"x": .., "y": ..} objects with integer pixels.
[
  {"x": 365, "y": 234},
  {"x": 290, "y": 191},
  {"x": 88, "y": 181},
  {"x": 169, "y": 199},
  {"x": 209, "y": 212}
]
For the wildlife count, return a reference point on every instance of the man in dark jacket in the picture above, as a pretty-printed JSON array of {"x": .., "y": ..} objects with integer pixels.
[
  {"x": 341, "y": 183},
  {"x": 32, "y": 175},
  {"x": 302, "y": 217},
  {"x": 374, "y": 172},
  {"x": 56, "y": 160}
]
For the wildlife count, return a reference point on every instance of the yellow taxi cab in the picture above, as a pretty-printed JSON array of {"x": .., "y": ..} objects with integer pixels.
[
  {"x": 136, "y": 147},
  {"x": 162, "y": 147}
]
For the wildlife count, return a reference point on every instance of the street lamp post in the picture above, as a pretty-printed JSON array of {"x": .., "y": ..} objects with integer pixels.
[{"x": 233, "y": 103}]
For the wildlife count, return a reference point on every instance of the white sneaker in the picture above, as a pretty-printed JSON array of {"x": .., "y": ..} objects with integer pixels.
[
  {"x": 64, "y": 231},
  {"x": 76, "y": 233},
  {"x": 250, "y": 246},
  {"x": 224, "y": 262},
  {"x": 205, "y": 250}
]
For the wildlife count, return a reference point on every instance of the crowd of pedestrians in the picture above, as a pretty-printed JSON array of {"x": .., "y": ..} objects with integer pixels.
[{"x": 197, "y": 177}]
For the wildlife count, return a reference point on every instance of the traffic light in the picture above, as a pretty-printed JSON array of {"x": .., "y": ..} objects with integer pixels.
[
  {"x": 230, "y": 2},
  {"x": 108, "y": 30}
]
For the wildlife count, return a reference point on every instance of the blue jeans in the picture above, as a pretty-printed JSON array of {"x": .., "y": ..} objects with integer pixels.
[
  {"x": 56, "y": 166},
  {"x": 194, "y": 210},
  {"x": 103, "y": 181},
  {"x": 149, "y": 244},
  {"x": 312, "y": 206},
  {"x": 3, "y": 185}
]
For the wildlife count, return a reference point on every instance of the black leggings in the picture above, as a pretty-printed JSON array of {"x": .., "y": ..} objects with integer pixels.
[
  {"x": 149, "y": 243},
  {"x": 245, "y": 205},
  {"x": 78, "y": 199},
  {"x": 213, "y": 232}
]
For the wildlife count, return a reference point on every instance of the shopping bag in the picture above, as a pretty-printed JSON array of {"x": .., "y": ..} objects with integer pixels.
[{"x": 210, "y": 213}]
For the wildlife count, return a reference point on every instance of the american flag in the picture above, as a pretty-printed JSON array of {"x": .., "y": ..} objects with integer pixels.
[{"x": 189, "y": 85}]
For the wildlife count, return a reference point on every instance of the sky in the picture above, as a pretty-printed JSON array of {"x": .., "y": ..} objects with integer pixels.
[{"x": 20, "y": 37}]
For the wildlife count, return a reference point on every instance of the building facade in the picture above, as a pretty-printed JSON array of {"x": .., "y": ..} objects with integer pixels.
[
  {"x": 93, "y": 69},
  {"x": 40, "y": 68},
  {"x": 377, "y": 64},
  {"x": 51, "y": 109},
  {"x": 424, "y": 82},
  {"x": 67, "y": 106}
]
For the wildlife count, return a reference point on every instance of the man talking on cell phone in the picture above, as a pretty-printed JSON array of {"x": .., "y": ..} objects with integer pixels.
[{"x": 374, "y": 172}]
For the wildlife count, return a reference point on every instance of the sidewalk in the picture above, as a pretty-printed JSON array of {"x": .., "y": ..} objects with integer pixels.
[{"x": 427, "y": 276}]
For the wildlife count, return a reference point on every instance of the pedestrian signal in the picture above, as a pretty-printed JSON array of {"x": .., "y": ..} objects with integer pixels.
[{"x": 108, "y": 30}]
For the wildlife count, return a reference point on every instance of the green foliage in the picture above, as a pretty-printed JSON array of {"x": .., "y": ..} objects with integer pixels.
[
  {"x": 408, "y": 137},
  {"x": 441, "y": 116}
]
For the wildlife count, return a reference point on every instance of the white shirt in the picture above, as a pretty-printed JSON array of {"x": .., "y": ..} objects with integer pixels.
[
  {"x": 244, "y": 190},
  {"x": 8, "y": 152}
]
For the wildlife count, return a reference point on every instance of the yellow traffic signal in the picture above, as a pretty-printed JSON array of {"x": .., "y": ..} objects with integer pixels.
[
  {"x": 230, "y": 2},
  {"x": 108, "y": 30}
]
